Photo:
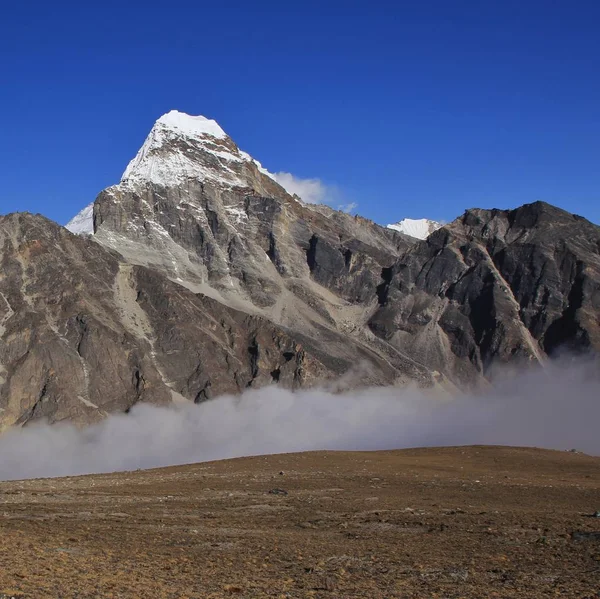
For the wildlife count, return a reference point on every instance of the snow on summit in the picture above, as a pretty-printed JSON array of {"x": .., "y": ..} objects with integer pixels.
[
  {"x": 191, "y": 125},
  {"x": 419, "y": 228},
  {"x": 182, "y": 147},
  {"x": 82, "y": 223}
]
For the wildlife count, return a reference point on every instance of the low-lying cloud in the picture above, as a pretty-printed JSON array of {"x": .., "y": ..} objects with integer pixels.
[{"x": 558, "y": 407}]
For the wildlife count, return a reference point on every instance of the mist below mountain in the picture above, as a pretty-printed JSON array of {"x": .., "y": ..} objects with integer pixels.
[{"x": 556, "y": 407}]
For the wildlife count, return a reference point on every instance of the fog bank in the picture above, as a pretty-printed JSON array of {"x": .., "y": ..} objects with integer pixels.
[{"x": 558, "y": 407}]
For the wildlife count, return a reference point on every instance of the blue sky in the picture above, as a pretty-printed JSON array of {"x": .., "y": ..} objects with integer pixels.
[{"x": 416, "y": 109}]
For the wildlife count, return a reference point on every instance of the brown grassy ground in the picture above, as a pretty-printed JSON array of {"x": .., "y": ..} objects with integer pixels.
[{"x": 455, "y": 522}]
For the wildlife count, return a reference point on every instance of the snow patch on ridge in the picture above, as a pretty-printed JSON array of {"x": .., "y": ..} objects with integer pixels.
[
  {"x": 419, "y": 228},
  {"x": 82, "y": 223}
]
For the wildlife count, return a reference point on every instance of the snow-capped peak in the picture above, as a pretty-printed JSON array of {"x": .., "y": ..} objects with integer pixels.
[
  {"x": 191, "y": 126},
  {"x": 83, "y": 223},
  {"x": 181, "y": 147},
  {"x": 419, "y": 228}
]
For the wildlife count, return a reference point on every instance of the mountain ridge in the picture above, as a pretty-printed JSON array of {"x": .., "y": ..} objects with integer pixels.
[{"x": 195, "y": 286}]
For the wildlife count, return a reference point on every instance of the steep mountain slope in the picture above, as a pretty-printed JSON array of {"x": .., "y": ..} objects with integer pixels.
[
  {"x": 211, "y": 218},
  {"x": 495, "y": 286},
  {"x": 195, "y": 206},
  {"x": 83, "y": 333}
]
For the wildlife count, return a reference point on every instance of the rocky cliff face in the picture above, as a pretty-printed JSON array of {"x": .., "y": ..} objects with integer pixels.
[
  {"x": 493, "y": 287},
  {"x": 204, "y": 276},
  {"x": 83, "y": 333},
  {"x": 218, "y": 224},
  {"x": 194, "y": 206}
]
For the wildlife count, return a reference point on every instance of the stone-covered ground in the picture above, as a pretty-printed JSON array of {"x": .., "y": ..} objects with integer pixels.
[{"x": 454, "y": 522}]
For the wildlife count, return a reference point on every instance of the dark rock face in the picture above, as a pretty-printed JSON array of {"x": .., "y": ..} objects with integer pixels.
[
  {"x": 233, "y": 238},
  {"x": 83, "y": 333},
  {"x": 495, "y": 286}
]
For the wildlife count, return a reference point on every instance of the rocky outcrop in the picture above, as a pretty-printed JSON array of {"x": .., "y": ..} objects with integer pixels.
[
  {"x": 495, "y": 287},
  {"x": 83, "y": 333}
]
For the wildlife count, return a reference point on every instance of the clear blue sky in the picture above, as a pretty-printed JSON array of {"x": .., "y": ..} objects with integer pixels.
[{"x": 417, "y": 109}]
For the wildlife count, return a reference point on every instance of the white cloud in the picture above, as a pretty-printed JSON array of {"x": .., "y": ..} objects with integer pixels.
[
  {"x": 314, "y": 191},
  {"x": 350, "y": 207}
]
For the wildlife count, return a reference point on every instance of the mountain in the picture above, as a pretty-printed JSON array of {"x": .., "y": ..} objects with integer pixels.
[
  {"x": 200, "y": 275},
  {"x": 84, "y": 333},
  {"x": 494, "y": 287},
  {"x": 194, "y": 205},
  {"x": 420, "y": 228}
]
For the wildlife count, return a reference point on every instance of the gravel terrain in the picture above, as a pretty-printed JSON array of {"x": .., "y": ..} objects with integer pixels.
[{"x": 468, "y": 522}]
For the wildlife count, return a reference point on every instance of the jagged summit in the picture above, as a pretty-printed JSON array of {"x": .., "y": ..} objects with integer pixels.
[
  {"x": 419, "y": 228},
  {"x": 181, "y": 147},
  {"x": 196, "y": 207}
]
